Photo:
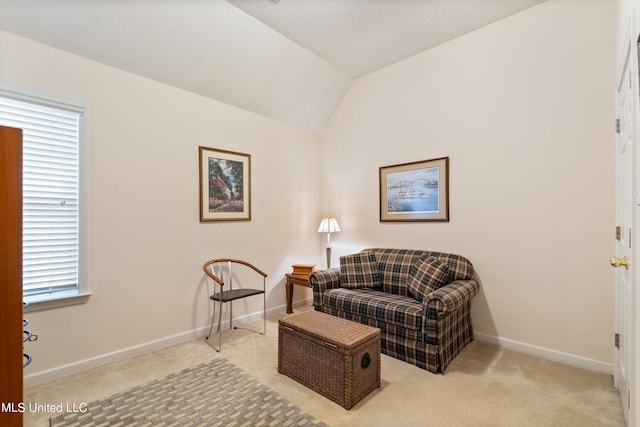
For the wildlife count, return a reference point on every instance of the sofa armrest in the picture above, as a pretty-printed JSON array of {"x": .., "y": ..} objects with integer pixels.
[
  {"x": 446, "y": 311},
  {"x": 451, "y": 297},
  {"x": 320, "y": 281}
]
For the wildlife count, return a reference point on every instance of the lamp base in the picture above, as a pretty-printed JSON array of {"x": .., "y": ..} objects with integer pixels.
[{"x": 328, "y": 257}]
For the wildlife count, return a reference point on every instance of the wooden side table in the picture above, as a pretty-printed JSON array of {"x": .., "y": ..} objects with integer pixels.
[{"x": 294, "y": 279}]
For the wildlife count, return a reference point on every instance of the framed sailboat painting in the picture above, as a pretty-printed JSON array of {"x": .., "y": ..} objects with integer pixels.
[{"x": 417, "y": 191}]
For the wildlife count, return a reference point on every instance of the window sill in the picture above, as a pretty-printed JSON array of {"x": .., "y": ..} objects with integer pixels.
[{"x": 56, "y": 302}]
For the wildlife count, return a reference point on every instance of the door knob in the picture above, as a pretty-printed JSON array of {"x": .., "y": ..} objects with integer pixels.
[{"x": 620, "y": 262}]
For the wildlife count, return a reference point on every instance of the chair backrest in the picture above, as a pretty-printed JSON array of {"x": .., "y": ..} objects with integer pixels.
[
  {"x": 223, "y": 265},
  {"x": 215, "y": 269}
]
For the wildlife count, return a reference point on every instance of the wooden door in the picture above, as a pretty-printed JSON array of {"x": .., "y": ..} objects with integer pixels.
[{"x": 11, "y": 312}]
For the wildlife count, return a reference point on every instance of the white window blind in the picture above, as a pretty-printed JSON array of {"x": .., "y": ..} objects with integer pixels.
[{"x": 50, "y": 173}]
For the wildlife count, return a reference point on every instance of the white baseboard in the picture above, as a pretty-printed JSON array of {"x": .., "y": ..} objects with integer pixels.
[
  {"x": 547, "y": 353},
  {"x": 103, "y": 359}
]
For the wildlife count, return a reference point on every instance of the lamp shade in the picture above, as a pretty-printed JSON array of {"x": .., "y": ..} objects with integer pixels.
[{"x": 329, "y": 225}]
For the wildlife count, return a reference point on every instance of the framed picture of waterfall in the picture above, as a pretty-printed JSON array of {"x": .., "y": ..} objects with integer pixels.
[
  {"x": 417, "y": 191},
  {"x": 225, "y": 180}
]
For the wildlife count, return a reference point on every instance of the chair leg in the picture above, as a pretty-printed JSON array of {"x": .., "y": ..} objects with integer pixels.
[
  {"x": 219, "y": 331},
  {"x": 213, "y": 318},
  {"x": 264, "y": 314},
  {"x": 231, "y": 315},
  {"x": 219, "y": 349},
  {"x": 264, "y": 319}
]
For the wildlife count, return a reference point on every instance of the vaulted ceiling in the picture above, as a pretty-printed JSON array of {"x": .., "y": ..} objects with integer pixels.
[{"x": 288, "y": 59}]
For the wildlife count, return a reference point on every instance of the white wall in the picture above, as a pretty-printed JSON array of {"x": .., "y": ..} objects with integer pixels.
[
  {"x": 524, "y": 109},
  {"x": 146, "y": 245}
]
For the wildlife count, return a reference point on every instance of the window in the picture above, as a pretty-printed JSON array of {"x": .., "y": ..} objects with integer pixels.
[{"x": 51, "y": 196}]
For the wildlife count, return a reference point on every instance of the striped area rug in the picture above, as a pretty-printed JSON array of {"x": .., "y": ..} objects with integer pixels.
[{"x": 216, "y": 393}]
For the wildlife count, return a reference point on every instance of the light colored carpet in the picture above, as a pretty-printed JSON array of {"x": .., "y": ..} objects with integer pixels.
[{"x": 484, "y": 386}]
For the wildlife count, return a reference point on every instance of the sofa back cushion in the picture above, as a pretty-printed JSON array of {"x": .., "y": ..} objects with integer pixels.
[
  {"x": 394, "y": 267},
  {"x": 359, "y": 270},
  {"x": 427, "y": 275}
]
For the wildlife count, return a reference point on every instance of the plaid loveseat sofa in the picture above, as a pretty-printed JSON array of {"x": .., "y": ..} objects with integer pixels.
[{"x": 419, "y": 299}]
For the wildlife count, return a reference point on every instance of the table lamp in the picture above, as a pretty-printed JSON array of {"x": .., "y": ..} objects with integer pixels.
[{"x": 329, "y": 225}]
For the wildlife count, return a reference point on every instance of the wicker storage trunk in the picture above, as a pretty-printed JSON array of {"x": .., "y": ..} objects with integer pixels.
[{"x": 335, "y": 357}]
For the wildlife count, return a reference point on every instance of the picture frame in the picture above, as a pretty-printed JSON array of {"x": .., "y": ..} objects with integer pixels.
[
  {"x": 416, "y": 191},
  {"x": 225, "y": 185}
]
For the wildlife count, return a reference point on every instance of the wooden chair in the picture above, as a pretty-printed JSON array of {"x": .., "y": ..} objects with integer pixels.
[{"x": 223, "y": 292}]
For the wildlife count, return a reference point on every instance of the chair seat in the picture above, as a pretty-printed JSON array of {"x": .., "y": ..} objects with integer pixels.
[{"x": 235, "y": 294}]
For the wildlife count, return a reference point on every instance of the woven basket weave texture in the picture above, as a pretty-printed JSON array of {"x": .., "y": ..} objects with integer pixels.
[{"x": 336, "y": 358}]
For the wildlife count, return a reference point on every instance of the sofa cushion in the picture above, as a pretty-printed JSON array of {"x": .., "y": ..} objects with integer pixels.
[
  {"x": 385, "y": 328},
  {"x": 395, "y": 266},
  {"x": 427, "y": 275},
  {"x": 404, "y": 312},
  {"x": 359, "y": 271}
]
